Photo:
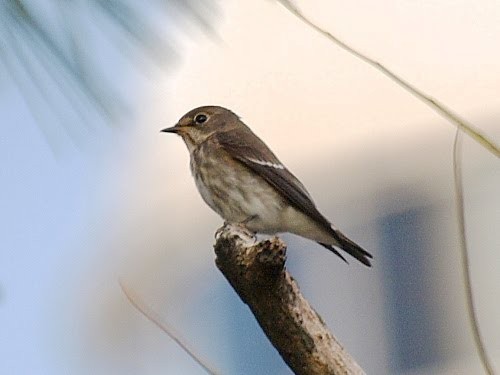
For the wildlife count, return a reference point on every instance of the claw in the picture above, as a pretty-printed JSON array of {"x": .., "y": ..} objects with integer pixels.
[{"x": 218, "y": 232}]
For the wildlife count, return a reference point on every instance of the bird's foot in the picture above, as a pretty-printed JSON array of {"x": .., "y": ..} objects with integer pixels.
[
  {"x": 241, "y": 224},
  {"x": 219, "y": 231}
]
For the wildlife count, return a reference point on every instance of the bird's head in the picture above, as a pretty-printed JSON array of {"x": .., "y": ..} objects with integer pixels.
[{"x": 200, "y": 123}]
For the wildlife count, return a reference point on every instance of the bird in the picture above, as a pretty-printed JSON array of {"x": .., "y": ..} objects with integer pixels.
[{"x": 242, "y": 180}]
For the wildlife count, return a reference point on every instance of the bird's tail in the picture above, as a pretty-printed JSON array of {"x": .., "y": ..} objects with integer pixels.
[{"x": 349, "y": 247}]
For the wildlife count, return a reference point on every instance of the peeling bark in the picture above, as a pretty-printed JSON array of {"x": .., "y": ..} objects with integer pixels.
[{"x": 256, "y": 271}]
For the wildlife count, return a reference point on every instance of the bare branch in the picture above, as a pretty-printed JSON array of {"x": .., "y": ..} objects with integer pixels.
[
  {"x": 256, "y": 271},
  {"x": 461, "y": 123},
  {"x": 471, "y": 310},
  {"x": 153, "y": 317}
]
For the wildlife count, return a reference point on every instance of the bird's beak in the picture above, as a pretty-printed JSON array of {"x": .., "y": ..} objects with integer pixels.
[{"x": 173, "y": 129}]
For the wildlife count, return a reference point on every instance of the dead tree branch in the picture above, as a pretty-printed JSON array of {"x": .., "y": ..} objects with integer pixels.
[
  {"x": 467, "y": 127},
  {"x": 256, "y": 271}
]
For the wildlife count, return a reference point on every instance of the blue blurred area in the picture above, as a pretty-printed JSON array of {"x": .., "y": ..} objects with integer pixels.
[
  {"x": 412, "y": 323},
  {"x": 43, "y": 205}
]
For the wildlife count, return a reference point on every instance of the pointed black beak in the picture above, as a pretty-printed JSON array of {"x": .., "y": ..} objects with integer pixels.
[{"x": 173, "y": 129}]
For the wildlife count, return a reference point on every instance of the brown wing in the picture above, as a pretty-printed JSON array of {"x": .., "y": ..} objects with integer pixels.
[{"x": 248, "y": 149}]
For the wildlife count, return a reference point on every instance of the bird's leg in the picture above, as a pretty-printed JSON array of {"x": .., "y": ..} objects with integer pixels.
[
  {"x": 248, "y": 219},
  {"x": 219, "y": 231},
  {"x": 242, "y": 225}
]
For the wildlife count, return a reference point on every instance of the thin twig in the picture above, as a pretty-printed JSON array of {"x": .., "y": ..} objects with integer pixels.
[
  {"x": 471, "y": 310},
  {"x": 461, "y": 123},
  {"x": 153, "y": 317}
]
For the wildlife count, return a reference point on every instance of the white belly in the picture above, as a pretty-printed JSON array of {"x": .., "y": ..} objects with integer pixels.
[
  {"x": 238, "y": 195},
  {"x": 245, "y": 198}
]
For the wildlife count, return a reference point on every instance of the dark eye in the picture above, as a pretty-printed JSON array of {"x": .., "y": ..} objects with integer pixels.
[{"x": 200, "y": 118}]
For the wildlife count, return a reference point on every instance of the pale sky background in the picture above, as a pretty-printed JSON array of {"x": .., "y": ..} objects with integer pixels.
[{"x": 123, "y": 204}]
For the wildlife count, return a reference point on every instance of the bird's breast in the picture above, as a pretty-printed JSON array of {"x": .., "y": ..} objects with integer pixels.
[{"x": 235, "y": 192}]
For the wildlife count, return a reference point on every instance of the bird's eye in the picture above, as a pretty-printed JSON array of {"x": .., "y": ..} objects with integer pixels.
[{"x": 200, "y": 118}]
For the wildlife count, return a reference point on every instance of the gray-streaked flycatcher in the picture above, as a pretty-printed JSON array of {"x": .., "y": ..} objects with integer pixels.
[{"x": 241, "y": 179}]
